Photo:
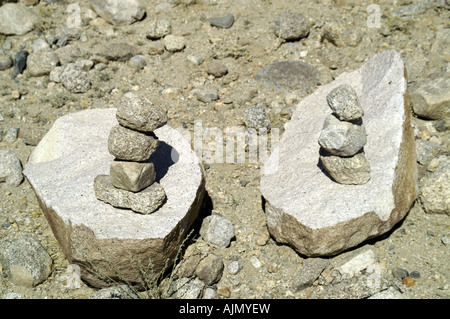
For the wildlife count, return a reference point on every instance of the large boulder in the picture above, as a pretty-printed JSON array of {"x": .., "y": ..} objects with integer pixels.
[
  {"x": 111, "y": 244},
  {"x": 305, "y": 208}
]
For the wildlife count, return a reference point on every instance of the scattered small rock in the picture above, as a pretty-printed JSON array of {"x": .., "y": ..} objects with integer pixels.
[
  {"x": 289, "y": 75},
  {"x": 234, "y": 267},
  {"x": 11, "y": 135},
  {"x": 16, "y": 19},
  {"x": 119, "y": 12},
  {"x": 291, "y": 26},
  {"x": 408, "y": 282},
  {"x": 20, "y": 62},
  {"x": 216, "y": 69},
  {"x": 158, "y": 29},
  {"x": 10, "y": 168},
  {"x": 355, "y": 262},
  {"x": 309, "y": 272},
  {"x": 435, "y": 191},
  {"x": 255, "y": 117},
  {"x": 6, "y": 62},
  {"x": 223, "y": 22},
  {"x": 74, "y": 79},
  {"x": 42, "y": 62},
  {"x": 115, "y": 292},
  {"x": 217, "y": 230},
  {"x": 255, "y": 262},
  {"x": 138, "y": 62},
  {"x": 174, "y": 43},
  {"x": 210, "y": 269},
  {"x": 25, "y": 261},
  {"x": 206, "y": 96},
  {"x": 430, "y": 98},
  {"x": 400, "y": 273}
]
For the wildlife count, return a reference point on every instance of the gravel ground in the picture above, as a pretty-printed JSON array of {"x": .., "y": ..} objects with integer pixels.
[{"x": 339, "y": 40}]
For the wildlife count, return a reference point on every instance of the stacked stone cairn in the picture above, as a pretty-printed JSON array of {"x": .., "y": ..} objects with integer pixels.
[
  {"x": 343, "y": 137},
  {"x": 131, "y": 183}
]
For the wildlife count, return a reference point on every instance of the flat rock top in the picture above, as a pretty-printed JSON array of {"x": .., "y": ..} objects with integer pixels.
[
  {"x": 63, "y": 166},
  {"x": 295, "y": 183}
]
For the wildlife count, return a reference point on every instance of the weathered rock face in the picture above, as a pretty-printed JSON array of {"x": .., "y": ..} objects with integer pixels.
[
  {"x": 108, "y": 242},
  {"x": 319, "y": 217},
  {"x": 119, "y": 12}
]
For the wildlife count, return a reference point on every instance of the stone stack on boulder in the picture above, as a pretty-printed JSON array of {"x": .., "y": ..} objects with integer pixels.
[
  {"x": 131, "y": 183},
  {"x": 113, "y": 245},
  {"x": 343, "y": 137},
  {"x": 314, "y": 214}
]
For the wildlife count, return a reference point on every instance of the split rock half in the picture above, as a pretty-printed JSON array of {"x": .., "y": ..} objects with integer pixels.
[
  {"x": 110, "y": 243},
  {"x": 305, "y": 208}
]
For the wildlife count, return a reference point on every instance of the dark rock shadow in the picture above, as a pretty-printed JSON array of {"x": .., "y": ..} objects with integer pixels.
[{"x": 164, "y": 157}]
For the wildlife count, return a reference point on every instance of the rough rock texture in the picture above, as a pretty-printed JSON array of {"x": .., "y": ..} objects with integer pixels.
[
  {"x": 119, "y": 12},
  {"x": 342, "y": 138},
  {"x": 42, "y": 62},
  {"x": 344, "y": 102},
  {"x": 129, "y": 145},
  {"x": 353, "y": 170},
  {"x": 103, "y": 240},
  {"x": 319, "y": 217},
  {"x": 291, "y": 26},
  {"x": 435, "y": 192},
  {"x": 132, "y": 176},
  {"x": 16, "y": 19},
  {"x": 139, "y": 113},
  {"x": 74, "y": 79},
  {"x": 291, "y": 75},
  {"x": 145, "y": 202},
  {"x": 430, "y": 98},
  {"x": 10, "y": 168},
  {"x": 25, "y": 261}
]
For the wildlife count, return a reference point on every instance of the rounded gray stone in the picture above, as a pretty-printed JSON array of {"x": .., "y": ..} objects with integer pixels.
[
  {"x": 353, "y": 170},
  {"x": 74, "y": 79},
  {"x": 25, "y": 261},
  {"x": 158, "y": 29},
  {"x": 210, "y": 269},
  {"x": 223, "y": 22},
  {"x": 344, "y": 102},
  {"x": 291, "y": 26},
  {"x": 139, "y": 113},
  {"x": 217, "y": 230},
  {"x": 42, "y": 62},
  {"x": 10, "y": 168},
  {"x": 129, "y": 145},
  {"x": 342, "y": 138}
]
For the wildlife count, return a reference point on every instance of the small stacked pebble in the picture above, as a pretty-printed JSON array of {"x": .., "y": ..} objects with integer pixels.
[
  {"x": 343, "y": 137},
  {"x": 131, "y": 183}
]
